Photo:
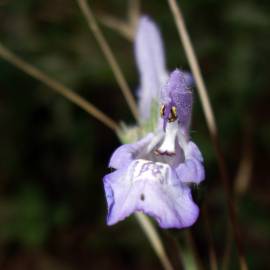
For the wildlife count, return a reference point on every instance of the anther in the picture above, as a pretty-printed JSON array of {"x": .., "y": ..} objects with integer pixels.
[
  {"x": 173, "y": 114},
  {"x": 162, "y": 110}
]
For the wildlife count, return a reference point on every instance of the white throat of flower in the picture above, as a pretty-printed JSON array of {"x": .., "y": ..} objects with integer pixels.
[
  {"x": 169, "y": 142},
  {"x": 166, "y": 146},
  {"x": 165, "y": 151}
]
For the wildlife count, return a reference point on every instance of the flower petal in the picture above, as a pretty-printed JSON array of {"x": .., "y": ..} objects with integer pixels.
[
  {"x": 171, "y": 206},
  {"x": 151, "y": 64},
  {"x": 121, "y": 195},
  {"x": 152, "y": 188},
  {"x": 126, "y": 153},
  {"x": 192, "y": 170}
]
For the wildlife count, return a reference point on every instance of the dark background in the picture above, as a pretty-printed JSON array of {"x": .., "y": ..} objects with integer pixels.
[{"x": 53, "y": 155}]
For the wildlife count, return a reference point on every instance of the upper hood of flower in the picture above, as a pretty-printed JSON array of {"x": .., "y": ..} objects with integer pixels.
[
  {"x": 150, "y": 59},
  {"x": 176, "y": 98}
]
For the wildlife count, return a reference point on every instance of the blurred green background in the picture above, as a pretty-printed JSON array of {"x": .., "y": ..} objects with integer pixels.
[{"x": 53, "y": 155}]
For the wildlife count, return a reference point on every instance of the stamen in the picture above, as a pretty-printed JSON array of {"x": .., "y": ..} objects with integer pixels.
[
  {"x": 173, "y": 114},
  {"x": 162, "y": 110},
  {"x": 168, "y": 113}
]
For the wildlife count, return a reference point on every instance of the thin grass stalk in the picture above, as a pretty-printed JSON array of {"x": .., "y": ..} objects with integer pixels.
[
  {"x": 107, "y": 51},
  {"x": 126, "y": 28},
  {"x": 61, "y": 89},
  {"x": 212, "y": 253},
  {"x": 134, "y": 12},
  {"x": 193, "y": 249},
  {"x": 154, "y": 239},
  {"x": 241, "y": 184},
  {"x": 174, "y": 249},
  {"x": 225, "y": 262},
  {"x": 143, "y": 220},
  {"x": 32, "y": 71},
  {"x": 211, "y": 123},
  {"x": 196, "y": 72},
  {"x": 122, "y": 27}
]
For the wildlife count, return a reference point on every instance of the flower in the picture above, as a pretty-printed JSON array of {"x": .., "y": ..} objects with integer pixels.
[
  {"x": 150, "y": 58},
  {"x": 152, "y": 174}
]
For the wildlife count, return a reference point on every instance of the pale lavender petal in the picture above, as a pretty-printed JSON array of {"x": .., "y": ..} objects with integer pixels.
[
  {"x": 152, "y": 188},
  {"x": 126, "y": 153},
  {"x": 121, "y": 196},
  {"x": 171, "y": 206},
  {"x": 192, "y": 170},
  {"x": 165, "y": 198},
  {"x": 151, "y": 64},
  {"x": 192, "y": 151}
]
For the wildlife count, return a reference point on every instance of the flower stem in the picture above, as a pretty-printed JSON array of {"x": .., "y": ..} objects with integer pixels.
[
  {"x": 146, "y": 225},
  {"x": 92, "y": 23},
  {"x": 126, "y": 28},
  {"x": 154, "y": 239},
  {"x": 225, "y": 263},
  {"x": 193, "y": 250},
  {"x": 134, "y": 12},
  {"x": 32, "y": 71},
  {"x": 211, "y": 123},
  {"x": 212, "y": 252}
]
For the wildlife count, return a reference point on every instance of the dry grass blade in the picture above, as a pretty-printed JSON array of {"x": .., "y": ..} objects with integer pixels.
[
  {"x": 92, "y": 23},
  {"x": 241, "y": 185},
  {"x": 120, "y": 26},
  {"x": 134, "y": 12},
  {"x": 211, "y": 123},
  {"x": 193, "y": 250},
  {"x": 154, "y": 239},
  {"x": 57, "y": 87},
  {"x": 225, "y": 263},
  {"x": 146, "y": 225},
  {"x": 126, "y": 28},
  {"x": 209, "y": 115},
  {"x": 212, "y": 252},
  {"x": 244, "y": 174}
]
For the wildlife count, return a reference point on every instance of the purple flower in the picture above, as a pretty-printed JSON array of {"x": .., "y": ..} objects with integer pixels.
[
  {"x": 151, "y": 64},
  {"x": 150, "y": 58},
  {"x": 152, "y": 174}
]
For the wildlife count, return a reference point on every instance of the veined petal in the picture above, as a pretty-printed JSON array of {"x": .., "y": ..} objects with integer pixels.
[
  {"x": 192, "y": 170},
  {"x": 121, "y": 196},
  {"x": 152, "y": 188},
  {"x": 171, "y": 206},
  {"x": 151, "y": 64},
  {"x": 152, "y": 174}
]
